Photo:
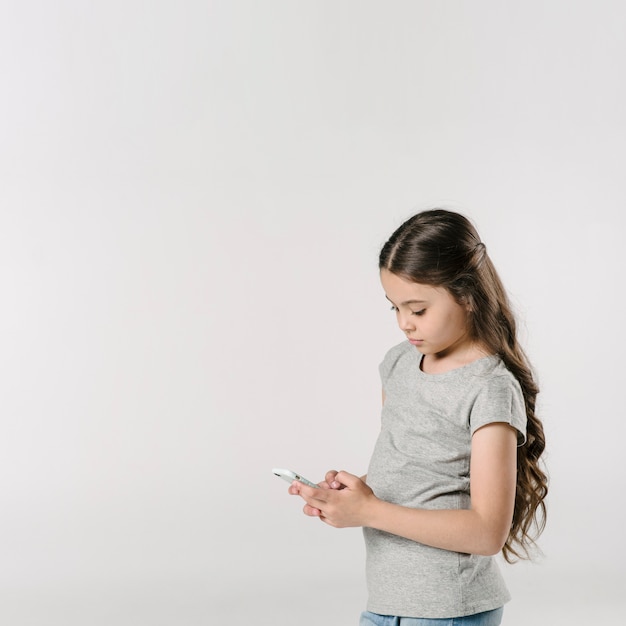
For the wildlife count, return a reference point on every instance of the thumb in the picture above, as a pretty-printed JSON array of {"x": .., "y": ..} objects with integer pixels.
[{"x": 347, "y": 479}]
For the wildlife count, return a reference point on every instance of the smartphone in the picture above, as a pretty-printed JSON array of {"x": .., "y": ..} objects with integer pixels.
[{"x": 290, "y": 476}]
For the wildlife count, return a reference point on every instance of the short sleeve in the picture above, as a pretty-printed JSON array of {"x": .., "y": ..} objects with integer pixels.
[
  {"x": 391, "y": 359},
  {"x": 500, "y": 400},
  {"x": 384, "y": 369}
]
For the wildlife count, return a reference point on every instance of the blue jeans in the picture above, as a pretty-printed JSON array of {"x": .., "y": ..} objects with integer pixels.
[{"x": 488, "y": 618}]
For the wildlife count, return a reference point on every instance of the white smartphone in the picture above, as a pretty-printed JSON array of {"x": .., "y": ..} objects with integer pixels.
[{"x": 290, "y": 476}]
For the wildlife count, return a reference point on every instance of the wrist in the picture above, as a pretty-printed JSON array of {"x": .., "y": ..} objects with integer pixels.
[{"x": 373, "y": 512}]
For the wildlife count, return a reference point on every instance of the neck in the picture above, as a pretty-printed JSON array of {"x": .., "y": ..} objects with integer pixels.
[{"x": 446, "y": 361}]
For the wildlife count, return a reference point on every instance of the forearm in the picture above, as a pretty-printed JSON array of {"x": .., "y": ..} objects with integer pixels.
[
  {"x": 481, "y": 529},
  {"x": 485, "y": 526},
  {"x": 456, "y": 530}
]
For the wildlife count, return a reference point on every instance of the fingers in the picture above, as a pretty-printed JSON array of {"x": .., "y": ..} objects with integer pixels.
[
  {"x": 347, "y": 479},
  {"x": 325, "y": 496},
  {"x": 333, "y": 479},
  {"x": 311, "y": 511},
  {"x": 310, "y": 494},
  {"x": 330, "y": 479},
  {"x": 329, "y": 482},
  {"x": 312, "y": 502},
  {"x": 296, "y": 489}
]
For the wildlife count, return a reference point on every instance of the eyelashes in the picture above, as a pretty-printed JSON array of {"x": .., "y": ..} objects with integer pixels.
[{"x": 418, "y": 313}]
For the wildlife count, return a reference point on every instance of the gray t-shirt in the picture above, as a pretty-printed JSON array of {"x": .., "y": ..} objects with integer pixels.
[{"x": 422, "y": 460}]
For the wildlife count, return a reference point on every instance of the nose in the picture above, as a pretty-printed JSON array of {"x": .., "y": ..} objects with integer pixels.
[{"x": 405, "y": 322}]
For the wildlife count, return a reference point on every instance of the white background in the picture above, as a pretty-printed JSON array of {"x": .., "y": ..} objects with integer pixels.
[{"x": 193, "y": 195}]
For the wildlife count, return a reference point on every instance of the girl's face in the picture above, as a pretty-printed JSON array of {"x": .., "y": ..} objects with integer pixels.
[{"x": 430, "y": 317}]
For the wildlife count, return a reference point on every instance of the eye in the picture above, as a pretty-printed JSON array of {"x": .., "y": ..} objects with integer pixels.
[{"x": 418, "y": 313}]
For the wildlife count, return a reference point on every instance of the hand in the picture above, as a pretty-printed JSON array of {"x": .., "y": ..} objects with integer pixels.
[
  {"x": 329, "y": 482},
  {"x": 342, "y": 501}
]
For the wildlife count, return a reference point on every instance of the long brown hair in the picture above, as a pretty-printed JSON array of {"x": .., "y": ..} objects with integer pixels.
[{"x": 442, "y": 248}]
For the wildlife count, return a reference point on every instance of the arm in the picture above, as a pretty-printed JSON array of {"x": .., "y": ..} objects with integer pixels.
[{"x": 481, "y": 529}]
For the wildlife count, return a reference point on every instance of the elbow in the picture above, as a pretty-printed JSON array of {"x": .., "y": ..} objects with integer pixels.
[
  {"x": 490, "y": 549},
  {"x": 491, "y": 532},
  {"x": 492, "y": 543}
]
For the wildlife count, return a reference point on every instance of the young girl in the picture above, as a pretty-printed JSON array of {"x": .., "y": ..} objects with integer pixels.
[{"x": 454, "y": 477}]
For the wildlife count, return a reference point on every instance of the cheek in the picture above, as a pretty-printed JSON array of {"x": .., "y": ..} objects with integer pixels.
[{"x": 458, "y": 323}]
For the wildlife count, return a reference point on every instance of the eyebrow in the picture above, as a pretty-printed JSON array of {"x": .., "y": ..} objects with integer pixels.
[{"x": 407, "y": 301}]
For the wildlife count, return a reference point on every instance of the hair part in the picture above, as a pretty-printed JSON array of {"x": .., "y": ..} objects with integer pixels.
[{"x": 442, "y": 248}]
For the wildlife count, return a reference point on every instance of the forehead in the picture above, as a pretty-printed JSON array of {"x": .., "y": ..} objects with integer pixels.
[{"x": 400, "y": 290}]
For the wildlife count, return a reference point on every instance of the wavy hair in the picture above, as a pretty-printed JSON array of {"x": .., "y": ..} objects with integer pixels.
[{"x": 442, "y": 248}]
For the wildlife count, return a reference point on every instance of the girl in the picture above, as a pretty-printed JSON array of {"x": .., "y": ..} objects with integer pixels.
[{"x": 454, "y": 477}]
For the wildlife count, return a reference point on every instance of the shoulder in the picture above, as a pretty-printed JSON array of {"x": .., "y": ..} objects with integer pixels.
[
  {"x": 499, "y": 398},
  {"x": 393, "y": 354},
  {"x": 396, "y": 355},
  {"x": 496, "y": 377}
]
